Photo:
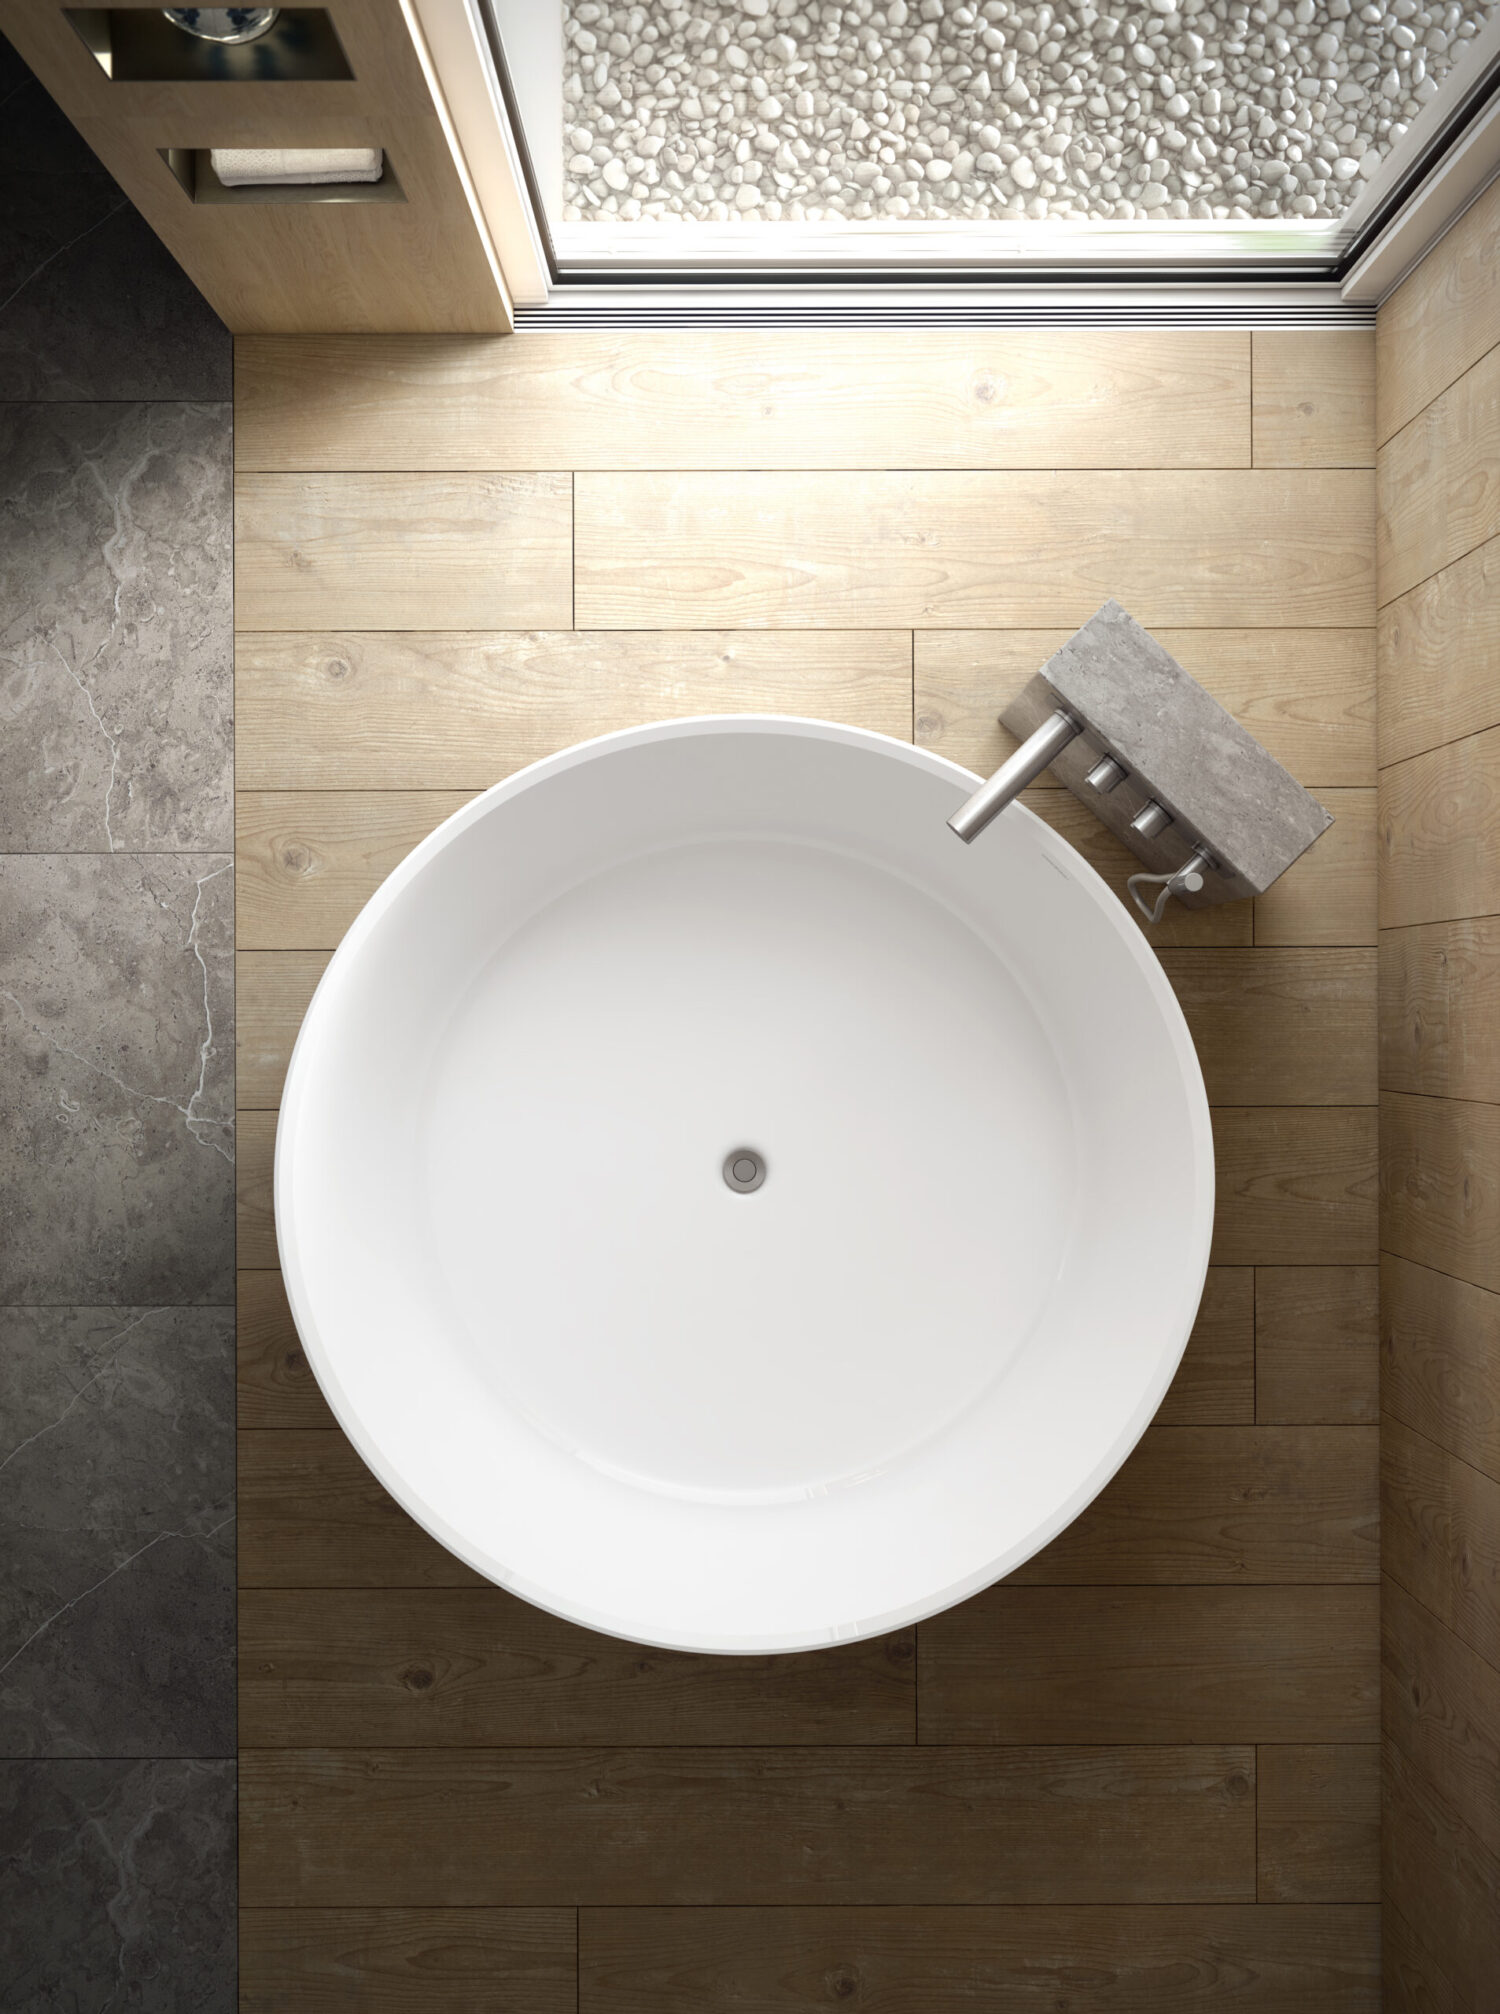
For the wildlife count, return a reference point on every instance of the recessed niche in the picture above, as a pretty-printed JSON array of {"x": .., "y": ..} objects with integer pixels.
[
  {"x": 139, "y": 45},
  {"x": 194, "y": 171}
]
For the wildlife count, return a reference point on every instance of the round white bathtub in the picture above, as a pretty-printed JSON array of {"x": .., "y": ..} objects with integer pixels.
[{"x": 725, "y": 1209}]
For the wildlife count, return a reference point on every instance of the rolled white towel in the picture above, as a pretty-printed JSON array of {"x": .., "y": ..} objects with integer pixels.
[{"x": 237, "y": 167}]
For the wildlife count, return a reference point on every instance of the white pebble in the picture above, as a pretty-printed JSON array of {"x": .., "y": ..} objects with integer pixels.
[{"x": 975, "y": 109}]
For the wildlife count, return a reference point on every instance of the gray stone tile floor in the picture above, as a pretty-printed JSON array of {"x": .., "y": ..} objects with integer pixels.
[
  {"x": 117, "y": 1774},
  {"x": 92, "y": 305},
  {"x": 118, "y": 1889},
  {"x": 116, "y": 1531},
  {"x": 116, "y": 1052},
  {"x": 116, "y": 639}
]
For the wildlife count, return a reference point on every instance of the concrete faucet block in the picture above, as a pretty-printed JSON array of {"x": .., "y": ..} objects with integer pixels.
[{"x": 1178, "y": 746}]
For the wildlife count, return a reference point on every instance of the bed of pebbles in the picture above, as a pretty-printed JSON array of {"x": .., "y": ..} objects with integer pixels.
[{"x": 830, "y": 110}]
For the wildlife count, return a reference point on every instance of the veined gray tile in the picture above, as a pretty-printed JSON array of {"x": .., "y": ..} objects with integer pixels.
[
  {"x": 117, "y": 1053},
  {"x": 92, "y": 304},
  {"x": 117, "y": 1889},
  {"x": 116, "y": 619},
  {"x": 116, "y": 1531}
]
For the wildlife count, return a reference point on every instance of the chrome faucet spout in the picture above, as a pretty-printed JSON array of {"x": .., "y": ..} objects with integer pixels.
[{"x": 1012, "y": 777}]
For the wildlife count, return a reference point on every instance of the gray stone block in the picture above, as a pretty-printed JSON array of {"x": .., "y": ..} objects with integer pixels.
[{"x": 1178, "y": 746}]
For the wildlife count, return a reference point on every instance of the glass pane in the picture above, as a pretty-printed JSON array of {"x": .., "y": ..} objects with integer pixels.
[{"x": 932, "y": 122}]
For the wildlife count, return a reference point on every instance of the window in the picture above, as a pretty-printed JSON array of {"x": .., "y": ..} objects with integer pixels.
[{"x": 982, "y": 138}]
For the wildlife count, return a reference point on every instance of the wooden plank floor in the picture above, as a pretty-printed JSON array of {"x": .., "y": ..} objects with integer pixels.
[
  {"x": 1140, "y": 1774},
  {"x": 1439, "y": 853}
]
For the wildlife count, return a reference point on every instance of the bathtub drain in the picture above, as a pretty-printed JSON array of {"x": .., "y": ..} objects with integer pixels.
[{"x": 744, "y": 1170}]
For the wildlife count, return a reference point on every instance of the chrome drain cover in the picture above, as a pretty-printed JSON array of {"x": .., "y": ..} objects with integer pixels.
[{"x": 744, "y": 1169}]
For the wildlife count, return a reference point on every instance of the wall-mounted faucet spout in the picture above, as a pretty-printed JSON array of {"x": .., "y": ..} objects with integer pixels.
[{"x": 1012, "y": 777}]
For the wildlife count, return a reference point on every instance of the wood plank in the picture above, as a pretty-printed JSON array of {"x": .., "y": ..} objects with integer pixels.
[
  {"x": 750, "y": 399},
  {"x": 272, "y": 992},
  {"x": 307, "y": 861},
  {"x": 1440, "y": 1185},
  {"x": 254, "y": 1183},
  {"x": 312, "y": 1515},
  {"x": 1329, "y": 896},
  {"x": 1192, "y": 1505},
  {"x": 1441, "y": 319},
  {"x": 1313, "y": 401},
  {"x": 1445, "y": 1880},
  {"x": 1437, "y": 646},
  {"x": 1227, "y": 549},
  {"x": 1440, "y": 1535},
  {"x": 1297, "y": 1185},
  {"x": 1226, "y": 1506},
  {"x": 403, "y": 551},
  {"x": 691, "y": 1825},
  {"x": 1307, "y": 695},
  {"x": 1440, "y": 1360},
  {"x": 1050, "y": 1664},
  {"x": 1412, "y": 1980},
  {"x": 458, "y": 709},
  {"x": 408, "y": 1961},
  {"x": 1288, "y": 1026},
  {"x": 1317, "y": 1344},
  {"x": 358, "y": 743},
  {"x": 1437, "y": 483},
  {"x": 475, "y": 1667},
  {"x": 1215, "y": 1382},
  {"x": 275, "y": 1386},
  {"x": 1440, "y": 833},
  {"x": 1318, "y": 1822},
  {"x": 1440, "y": 1007},
  {"x": 950, "y": 1961},
  {"x": 1440, "y": 1705}
]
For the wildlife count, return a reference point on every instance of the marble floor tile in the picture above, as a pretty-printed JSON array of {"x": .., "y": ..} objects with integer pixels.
[
  {"x": 117, "y": 1888},
  {"x": 117, "y": 1053},
  {"x": 116, "y": 628},
  {"x": 116, "y": 1531},
  {"x": 92, "y": 305}
]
